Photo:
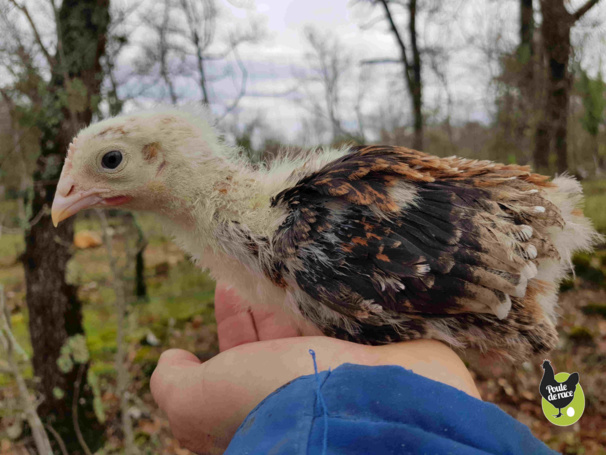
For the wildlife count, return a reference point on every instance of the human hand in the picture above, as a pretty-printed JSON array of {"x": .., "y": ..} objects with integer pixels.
[
  {"x": 261, "y": 351},
  {"x": 236, "y": 327}
]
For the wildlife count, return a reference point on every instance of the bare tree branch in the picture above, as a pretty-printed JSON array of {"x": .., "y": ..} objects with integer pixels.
[
  {"x": 399, "y": 39},
  {"x": 411, "y": 71},
  {"x": 121, "y": 306},
  {"x": 330, "y": 64},
  {"x": 58, "y": 438},
  {"x": 77, "y": 386},
  {"x": 583, "y": 9},
  {"x": 50, "y": 60},
  {"x": 363, "y": 78},
  {"x": 371, "y": 23},
  {"x": 242, "y": 86},
  {"x": 163, "y": 50},
  {"x": 376, "y": 61},
  {"x": 280, "y": 94},
  {"x": 10, "y": 346},
  {"x": 201, "y": 43},
  {"x": 63, "y": 65}
]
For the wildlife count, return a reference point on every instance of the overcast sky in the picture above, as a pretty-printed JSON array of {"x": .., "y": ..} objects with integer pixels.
[
  {"x": 469, "y": 33},
  {"x": 470, "y": 36}
]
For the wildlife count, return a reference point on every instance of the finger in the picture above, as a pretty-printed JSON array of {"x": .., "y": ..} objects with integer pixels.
[
  {"x": 178, "y": 357},
  {"x": 235, "y": 325},
  {"x": 228, "y": 303},
  {"x": 274, "y": 324},
  {"x": 173, "y": 366}
]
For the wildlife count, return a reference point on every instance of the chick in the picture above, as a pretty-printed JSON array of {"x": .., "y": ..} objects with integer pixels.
[{"x": 372, "y": 244}]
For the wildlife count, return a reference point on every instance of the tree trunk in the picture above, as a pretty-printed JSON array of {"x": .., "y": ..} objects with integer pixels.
[
  {"x": 55, "y": 313},
  {"x": 412, "y": 71},
  {"x": 140, "y": 284},
  {"x": 526, "y": 28},
  {"x": 164, "y": 50},
  {"x": 542, "y": 143},
  {"x": 555, "y": 31},
  {"x": 417, "y": 87},
  {"x": 201, "y": 72},
  {"x": 598, "y": 161},
  {"x": 530, "y": 99}
]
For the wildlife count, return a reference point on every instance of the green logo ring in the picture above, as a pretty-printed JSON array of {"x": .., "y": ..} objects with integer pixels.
[{"x": 572, "y": 413}]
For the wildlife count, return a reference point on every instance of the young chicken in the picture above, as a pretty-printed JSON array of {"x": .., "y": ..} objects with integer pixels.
[{"x": 372, "y": 244}]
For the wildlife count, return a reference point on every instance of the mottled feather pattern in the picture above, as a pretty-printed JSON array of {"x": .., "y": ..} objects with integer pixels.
[
  {"x": 455, "y": 264},
  {"x": 372, "y": 244}
]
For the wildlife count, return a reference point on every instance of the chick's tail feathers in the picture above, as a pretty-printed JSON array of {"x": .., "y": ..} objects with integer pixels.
[
  {"x": 578, "y": 233},
  {"x": 532, "y": 321},
  {"x": 572, "y": 233}
]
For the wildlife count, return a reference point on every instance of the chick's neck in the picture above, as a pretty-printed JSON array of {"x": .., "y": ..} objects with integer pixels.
[{"x": 214, "y": 191}]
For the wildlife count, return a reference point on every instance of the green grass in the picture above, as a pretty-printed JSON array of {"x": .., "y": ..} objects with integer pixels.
[
  {"x": 173, "y": 300},
  {"x": 9, "y": 208},
  {"x": 11, "y": 275},
  {"x": 595, "y": 203},
  {"x": 11, "y": 245}
]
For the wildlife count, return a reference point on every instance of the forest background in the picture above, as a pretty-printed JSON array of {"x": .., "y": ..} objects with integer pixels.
[{"x": 86, "y": 310}]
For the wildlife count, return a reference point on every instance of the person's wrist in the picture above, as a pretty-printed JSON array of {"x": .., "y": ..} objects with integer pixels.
[{"x": 432, "y": 359}]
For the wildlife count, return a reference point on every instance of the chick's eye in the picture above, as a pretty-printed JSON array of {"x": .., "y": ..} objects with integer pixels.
[{"x": 112, "y": 159}]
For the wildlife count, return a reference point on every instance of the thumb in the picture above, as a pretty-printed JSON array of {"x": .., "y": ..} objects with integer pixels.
[
  {"x": 173, "y": 366},
  {"x": 178, "y": 357}
]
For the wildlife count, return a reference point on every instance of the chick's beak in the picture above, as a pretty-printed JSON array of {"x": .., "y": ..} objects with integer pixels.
[{"x": 69, "y": 201}]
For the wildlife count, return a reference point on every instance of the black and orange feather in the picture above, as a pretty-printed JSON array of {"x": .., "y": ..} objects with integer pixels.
[{"x": 457, "y": 262}]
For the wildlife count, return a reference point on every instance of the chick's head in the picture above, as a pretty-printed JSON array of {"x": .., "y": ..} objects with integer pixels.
[{"x": 128, "y": 161}]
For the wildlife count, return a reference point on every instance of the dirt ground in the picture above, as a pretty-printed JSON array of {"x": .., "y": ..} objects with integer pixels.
[{"x": 582, "y": 349}]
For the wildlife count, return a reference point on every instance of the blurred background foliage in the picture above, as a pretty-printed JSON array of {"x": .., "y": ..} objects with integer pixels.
[{"x": 516, "y": 81}]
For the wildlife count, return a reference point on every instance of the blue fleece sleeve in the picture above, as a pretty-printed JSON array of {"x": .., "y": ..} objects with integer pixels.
[{"x": 357, "y": 410}]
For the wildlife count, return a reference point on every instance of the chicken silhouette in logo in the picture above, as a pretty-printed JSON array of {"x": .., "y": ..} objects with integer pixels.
[{"x": 558, "y": 394}]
